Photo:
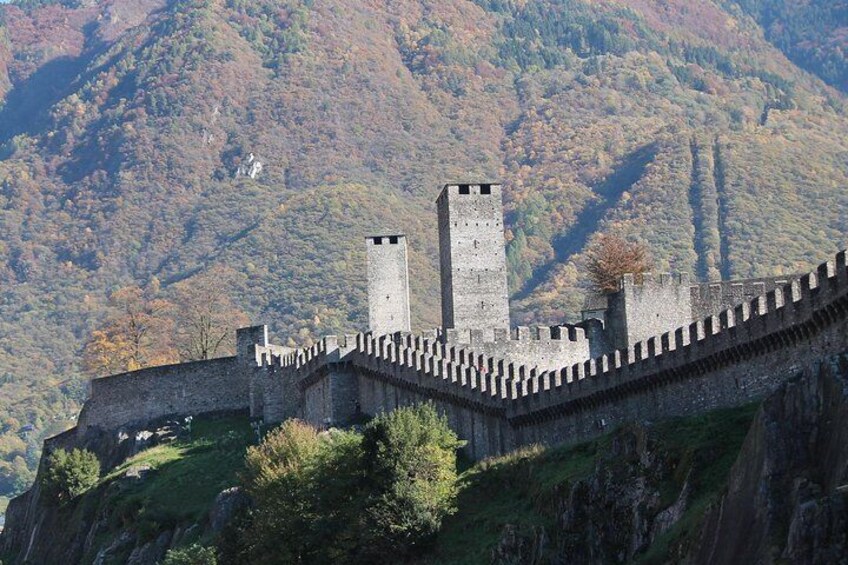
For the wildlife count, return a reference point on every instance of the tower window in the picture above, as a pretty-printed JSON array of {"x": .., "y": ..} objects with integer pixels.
[
  {"x": 393, "y": 239},
  {"x": 485, "y": 189},
  {"x": 464, "y": 189},
  {"x": 378, "y": 241}
]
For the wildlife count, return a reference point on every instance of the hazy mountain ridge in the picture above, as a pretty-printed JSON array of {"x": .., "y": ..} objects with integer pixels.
[{"x": 606, "y": 117}]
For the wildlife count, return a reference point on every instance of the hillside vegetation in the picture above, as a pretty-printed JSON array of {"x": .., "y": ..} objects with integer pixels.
[
  {"x": 601, "y": 501},
  {"x": 124, "y": 123}
]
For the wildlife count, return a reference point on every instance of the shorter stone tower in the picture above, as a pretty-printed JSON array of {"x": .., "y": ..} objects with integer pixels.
[
  {"x": 648, "y": 306},
  {"x": 388, "y": 284},
  {"x": 473, "y": 258}
]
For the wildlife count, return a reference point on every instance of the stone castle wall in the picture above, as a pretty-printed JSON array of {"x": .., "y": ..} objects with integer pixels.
[
  {"x": 544, "y": 348},
  {"x": 496, "y": 403},
  {"x": 710, "y": 299},
  {"x": 647, "y": 306},
  {"x": 149, "y": 394},
  {"x": 183, "y": 389}
]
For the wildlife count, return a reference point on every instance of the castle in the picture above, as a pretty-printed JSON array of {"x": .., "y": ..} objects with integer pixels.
[{"x": 659, "y": 347}]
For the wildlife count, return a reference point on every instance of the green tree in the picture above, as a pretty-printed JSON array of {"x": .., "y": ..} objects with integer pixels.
[
  {"x": 410, "y": 469},
  {"x": 342, "y": 496},
  {"x": 70, "y": 473}
]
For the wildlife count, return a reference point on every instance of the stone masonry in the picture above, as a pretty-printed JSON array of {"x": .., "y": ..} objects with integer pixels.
[
  {"x": 388, "y": 284},
  {"x": 473, "y": 258}
]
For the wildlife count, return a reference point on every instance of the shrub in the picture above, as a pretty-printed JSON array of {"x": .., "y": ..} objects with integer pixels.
[
  {"x": 342, "y": 496},
  {"x": 191, "y": 555},
  {"x": 410, "y": 468},
  {"x": 70, "y": 474}
]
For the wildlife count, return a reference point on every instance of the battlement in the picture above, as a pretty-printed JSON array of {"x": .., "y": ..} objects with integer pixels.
[
  {"x": 708, "y": 299},
  {"x": 474, "y": 382},
  {"x": 565, "y": 332},
  {"x": 385, "y": 239},
  {"x": 654, "y": 279},
  {"x": 767, "y": 323},
  {"x": 455, "y": 190},
  {"x": 495, "y": 401}
]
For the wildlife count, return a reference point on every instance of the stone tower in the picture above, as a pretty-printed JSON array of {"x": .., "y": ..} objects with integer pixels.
[
  {"x": 473, "y": 259},
  {"x": 648, "y": 306},
  {"x": 388, "y": 284}
]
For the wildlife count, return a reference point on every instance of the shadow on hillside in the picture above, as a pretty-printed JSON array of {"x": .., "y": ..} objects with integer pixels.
[
  {"x": 28, "y": 103},
  {"x": 608, "y": 192}
]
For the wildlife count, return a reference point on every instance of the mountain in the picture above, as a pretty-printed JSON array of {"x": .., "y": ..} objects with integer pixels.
[{"x": 714, "y": 131}]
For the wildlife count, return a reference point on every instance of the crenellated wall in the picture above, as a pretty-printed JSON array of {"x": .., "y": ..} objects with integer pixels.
[
  {"x": 729, "y": 359},
  {"x": 543, "y": 347},
  {"x": 710, "y": 299},
  {"x": 493, "y": 401}
]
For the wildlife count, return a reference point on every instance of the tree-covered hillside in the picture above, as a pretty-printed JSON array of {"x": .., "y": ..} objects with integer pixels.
[{"x": 127, "y": 129}]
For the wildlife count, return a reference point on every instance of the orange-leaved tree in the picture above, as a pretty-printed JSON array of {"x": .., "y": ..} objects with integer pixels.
[
  {"x": 610, "y": 257},
  {"x": 136, "y": 333}
]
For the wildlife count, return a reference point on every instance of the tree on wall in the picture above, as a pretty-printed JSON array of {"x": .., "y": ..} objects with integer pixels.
[
  {"x": 205, "y": 317},
  {"x": 612, "y": 256},
  {"x": 136, "y": 333}
]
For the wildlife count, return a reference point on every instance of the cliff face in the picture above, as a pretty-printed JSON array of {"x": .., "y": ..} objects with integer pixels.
[
  {"x": 132, "y": 516},
  {"x": 783, "y": 500},
  {"x": 787, "y": 496}
]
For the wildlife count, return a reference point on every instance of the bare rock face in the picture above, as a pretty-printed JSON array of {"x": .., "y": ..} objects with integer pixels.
[
  {"x": 787, "y": 496},
  {"x": 227, "y": 505},
  {"x": 618, "y": 511}
]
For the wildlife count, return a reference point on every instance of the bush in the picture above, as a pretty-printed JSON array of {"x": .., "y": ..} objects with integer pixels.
[
  {"x": 347, "y": 497},
  {"x": 191, "y": 555},
  {"x": 70, "y": 474},
  {"x": 410, "y": 467}
]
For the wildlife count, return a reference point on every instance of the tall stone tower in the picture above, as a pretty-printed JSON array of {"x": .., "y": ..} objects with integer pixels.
[
  {"x": 473, "y": 259},
  {"x": 388, "y": 284}
]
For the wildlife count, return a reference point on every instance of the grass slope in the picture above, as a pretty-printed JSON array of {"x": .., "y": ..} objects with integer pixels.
[
  {"x": 183, "y": 479},
  {"x": 525, "y": 489}
]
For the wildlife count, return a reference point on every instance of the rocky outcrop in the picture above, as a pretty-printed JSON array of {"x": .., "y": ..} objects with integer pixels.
[
  {"x": 40, "y": 531},
  {"x": 617, "y": 511},
  {"x": 787, "y": 496}
]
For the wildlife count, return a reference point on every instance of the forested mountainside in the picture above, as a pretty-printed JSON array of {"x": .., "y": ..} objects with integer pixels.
[{"x": 714, "y": 131}]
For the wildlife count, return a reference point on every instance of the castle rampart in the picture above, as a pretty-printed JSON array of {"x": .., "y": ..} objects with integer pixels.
[
  {"x": 499, "y": 387},
  {"x": 735, "y": 357}
]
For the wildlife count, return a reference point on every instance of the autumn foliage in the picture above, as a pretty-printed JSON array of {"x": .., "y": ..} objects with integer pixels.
[
  {"x": 145, "y": 329},
  {"x": 612, "y": 256}
]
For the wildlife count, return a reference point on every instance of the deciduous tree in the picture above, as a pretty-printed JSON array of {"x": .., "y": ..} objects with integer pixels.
[{"x": 612, "y": 256}]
